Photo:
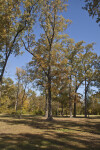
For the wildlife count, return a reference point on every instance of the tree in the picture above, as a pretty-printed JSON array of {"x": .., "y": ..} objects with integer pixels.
[
  {"x": 8, "y": 95},
  {"x": 93, "y": 8},
  {"x": 97, "y": 78},
  {"x": 89, "y": 71},
  {"x": 18, "y": 87},
  {"x": 77, "y": 71},
  {"x": 16, "y": 17},
  {"x": 47, "y": 51},
  {"x": 22, "y": 85},
  {"x": 74, "y": 70},
  {"x": 94, "y": 104}
]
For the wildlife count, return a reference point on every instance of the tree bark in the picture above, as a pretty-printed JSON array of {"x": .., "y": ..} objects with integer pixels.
[
  {"x": 70, "y": 108},
  {"x": 22, "y": 104},
  {"x": 46, "y": 105},
  {"x": 49, "y": 117},
  {"x": 75, "y": 97},
  {"x": 70, "y": 99},
  {"x": 85, "y": 99},
  {"x": 4, "y": 66},
  {"x": 75, "y": 106},
  {"x": 0, "y": 92},
  {"x": 16, "y": 103},
  {"x": 62, "y": 110},
  {"x": 57, "y": 110}
]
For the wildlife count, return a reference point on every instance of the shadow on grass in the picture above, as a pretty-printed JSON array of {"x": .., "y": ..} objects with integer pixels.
[
  {"x": 39, "y": 142},
  {"x": 58, "y": 134},
  {"x": 89, "y": 125}
]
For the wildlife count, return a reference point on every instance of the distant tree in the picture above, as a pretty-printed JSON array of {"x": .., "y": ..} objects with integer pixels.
[
  {"x": 18, "y": 87},
  {"x": 23, "y": 81},
  {"x": 94, "y": 104},
  {"x": 8, "y": 95},
  {"x": 36, "y": 103}
]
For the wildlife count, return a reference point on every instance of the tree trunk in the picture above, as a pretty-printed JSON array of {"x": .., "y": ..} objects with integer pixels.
[
  {"x": 62, "y": 110},
  {"x": 22, "y": 102},
  {"x": 22, "y": 105},
  {"x": 0, "y": 91},
  {"x": 0, "y": 79},
  {"x": 66, "y": 111},
  {"x": 1, "y": 76},
  {"x": 70, "y": 104},
  {"x": 70, "y": 108},
  {"x": 75, "y": 105},
  {"x": 74, "y": 109},
  {"x": 70, "y": 99},
  {"x": 16, "y": 103},
  {"x": 75, "y": 96},
  {"x": 85, "y": 99},
  {"x": 57, "y": 110},
  {"x": 49, "y": 117},
  {"x": 4, "y": 66},
  {"x": 46, "y": 105}
]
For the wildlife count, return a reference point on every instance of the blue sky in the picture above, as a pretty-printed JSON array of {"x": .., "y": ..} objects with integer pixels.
[{"x": 83, "y": 27}]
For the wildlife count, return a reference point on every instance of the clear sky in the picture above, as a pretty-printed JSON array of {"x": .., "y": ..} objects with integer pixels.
[{"x": 83, "y": 27}]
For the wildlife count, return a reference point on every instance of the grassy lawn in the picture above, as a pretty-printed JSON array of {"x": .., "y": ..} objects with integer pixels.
[{"x": 35, "y": 133}]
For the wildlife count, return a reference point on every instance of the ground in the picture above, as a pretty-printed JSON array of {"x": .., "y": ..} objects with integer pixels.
[{"x": 36, "y": 133}]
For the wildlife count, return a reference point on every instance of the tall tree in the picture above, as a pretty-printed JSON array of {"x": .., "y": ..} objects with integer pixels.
[
  {"x": 89, "y": 71},
  {"x": 48, "y": 49},
  {"x": 73, "y": 67},
  {"x": 77, "y": 71}
]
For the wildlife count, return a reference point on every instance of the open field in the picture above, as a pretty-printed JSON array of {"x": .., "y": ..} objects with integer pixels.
[{"x": 36, "y": 133}]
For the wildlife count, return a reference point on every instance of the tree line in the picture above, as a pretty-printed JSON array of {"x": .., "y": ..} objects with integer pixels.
[{"x": 17, "y": 100}]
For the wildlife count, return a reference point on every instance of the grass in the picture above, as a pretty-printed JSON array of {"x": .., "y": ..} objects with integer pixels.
[{"x": 35, "y": 133}]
